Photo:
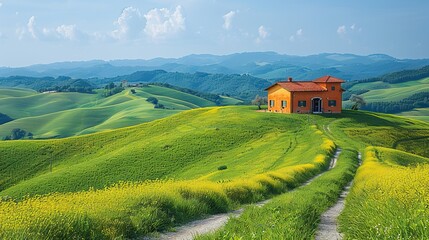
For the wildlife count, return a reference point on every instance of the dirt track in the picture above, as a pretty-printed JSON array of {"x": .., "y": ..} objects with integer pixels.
[{"x": 214, "y": 222}]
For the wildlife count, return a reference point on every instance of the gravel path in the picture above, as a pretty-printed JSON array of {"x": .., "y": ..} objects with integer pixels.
[
  {"x": 214, "y": 222},
  {"x": 328, "y": 222}
]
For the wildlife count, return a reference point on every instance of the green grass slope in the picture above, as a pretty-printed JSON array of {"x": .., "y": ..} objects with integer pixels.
[
  {"x": 15, "y": 92},
  {"x": 67, "y": 114},
  {"x": 383, "y": 91},
  {"x": 189, "y": 145},
  {"x": 380, "y": 91}
]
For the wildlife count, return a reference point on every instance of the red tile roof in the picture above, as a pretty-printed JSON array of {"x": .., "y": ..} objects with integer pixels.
[
  {"x": 307, "y": 86},
  {"x": 329, "y": 79},
  {"x": 301, "y": 86}
]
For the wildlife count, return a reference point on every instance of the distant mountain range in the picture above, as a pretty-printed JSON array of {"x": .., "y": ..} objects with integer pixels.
[{"x": 267, "y": 65}]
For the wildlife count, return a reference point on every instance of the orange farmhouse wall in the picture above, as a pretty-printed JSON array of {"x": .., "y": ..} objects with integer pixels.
[{"x": 278, "y": 94}]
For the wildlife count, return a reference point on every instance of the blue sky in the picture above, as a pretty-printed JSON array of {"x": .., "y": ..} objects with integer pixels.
[{"x": 47, "y": 31}]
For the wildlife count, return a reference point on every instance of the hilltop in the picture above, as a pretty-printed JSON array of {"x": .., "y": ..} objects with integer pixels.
[
  {"x": 196, "y": 162},
  {"x": 267, "y": 65},
  {"x": 49, "y": 115},
  {"x": 404, "y": 93}
]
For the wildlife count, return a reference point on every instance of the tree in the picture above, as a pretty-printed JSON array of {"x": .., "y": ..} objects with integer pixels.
[
  {"x": 358, "y": 101},
  {"x": 152, "y": 100},
  {"x": 259, "y": 101},
  {"x": 17, "y": 133}
]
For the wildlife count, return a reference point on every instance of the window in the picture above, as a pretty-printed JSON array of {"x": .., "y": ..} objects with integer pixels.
[
  {"x": 284, "y": 103},
  {"x": 332, "y": 103},
  {"x": 333, "y": 88},
  {"x": 302, "y": 103},
  {"x": 271, "y": 103}
]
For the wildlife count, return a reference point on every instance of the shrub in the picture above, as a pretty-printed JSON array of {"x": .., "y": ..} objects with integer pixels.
[{"x": 223, "y": 167}]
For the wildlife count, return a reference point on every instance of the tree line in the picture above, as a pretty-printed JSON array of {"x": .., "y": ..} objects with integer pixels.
[{"x": 418, "y": 100}]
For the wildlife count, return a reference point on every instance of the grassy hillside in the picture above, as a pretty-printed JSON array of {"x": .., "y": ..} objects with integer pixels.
[
  {"x": 382, "y": 91},
  {"x": 186, "y": 146},
  {"x": 405, "y": 93},
  {"x": 179, "y": 157},
  {"x": 389, "y": 198},
  {"x": 15, "y": 92},
  {"x": 67, "y": 114},
  {"x": 376, "y": 194}
]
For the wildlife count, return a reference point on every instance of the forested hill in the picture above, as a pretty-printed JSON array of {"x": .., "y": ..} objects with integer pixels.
[
  {"x": 242, "y": 86},
  {"x": 395, "y": 77},
  {"x": 405, "y": 93},
  {"x": 59, "y": 84}
]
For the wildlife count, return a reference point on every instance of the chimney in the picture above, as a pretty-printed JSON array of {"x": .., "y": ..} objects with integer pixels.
[{"x": 289, "y": 79}]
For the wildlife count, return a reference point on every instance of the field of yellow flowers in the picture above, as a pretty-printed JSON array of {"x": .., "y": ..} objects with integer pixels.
[
  {"x": 127, "y": 210},
  {"x": 390, "y": 197}
]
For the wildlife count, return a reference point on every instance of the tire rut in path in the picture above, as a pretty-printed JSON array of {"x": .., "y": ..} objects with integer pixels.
[
  {"x": 328, "y": 226},
  {"x": 214, "y": 222}
]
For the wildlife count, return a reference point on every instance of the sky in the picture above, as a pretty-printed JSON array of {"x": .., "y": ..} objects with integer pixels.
[{"x": 46, "y": 31}]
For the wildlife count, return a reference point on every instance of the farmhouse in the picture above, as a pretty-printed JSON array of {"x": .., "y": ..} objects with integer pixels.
[{"x": 322, "y": 95}]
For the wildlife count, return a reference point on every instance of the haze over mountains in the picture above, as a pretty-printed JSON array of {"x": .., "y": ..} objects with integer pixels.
[{"x": 267, "y": 65}]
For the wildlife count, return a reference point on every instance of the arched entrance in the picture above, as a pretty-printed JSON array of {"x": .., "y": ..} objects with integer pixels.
[{"x": 316, "y": 105}]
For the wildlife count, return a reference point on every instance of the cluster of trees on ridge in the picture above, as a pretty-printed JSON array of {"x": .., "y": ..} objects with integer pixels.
[
  {"x": 418, "y": 100},
  {"x": 208, "y": 96},
  {"x": 112, "y": 89},
  {"x": 18, "y": 133},
  {"x": 155, "y": 102},
  {"x": 396, "y": 77},
  {"x": 71, "y": 85},
  {"x": 242, "y": 86}
]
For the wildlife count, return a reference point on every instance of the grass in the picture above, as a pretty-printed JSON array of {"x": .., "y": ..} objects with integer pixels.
[
  {"x": 417, "y": 113},
  {"x": 381, "y": 91},
  {"x": 386, "y": 92},
  {"x": 293, "y": 215},
  {"x": 67, "y": 114},
  {"x": 16, "y": 92},
  {"x": 129, "y": 209},
  {"x": 188, "y": 145},
  {"x": 390, "y": 197},
  {"x": 170, "y": 169}
]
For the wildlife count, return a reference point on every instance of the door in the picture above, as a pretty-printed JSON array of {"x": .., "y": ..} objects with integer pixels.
[{"x": 316, "y": 105}]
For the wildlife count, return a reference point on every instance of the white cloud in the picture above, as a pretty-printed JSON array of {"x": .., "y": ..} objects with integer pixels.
[
  {"x": 298, "y": 34},
  {"x": 129, "y": 24},
  {"x": 20, "y": 32},
  {"x": 262, "y": 34},
  {"x": 31, "y": 27},
  {"x": 227, "y": 20},
  {"x": 342, "y": 30},
  {"x": 1, "y": 4},
  {"x": 161, "y": 22},
  {"x": 63, "y": 32},
  {"x": 68, "y": 32}
]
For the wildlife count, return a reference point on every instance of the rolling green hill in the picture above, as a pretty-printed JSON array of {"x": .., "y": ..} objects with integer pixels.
[
  {"x": 171, "y": 168},
  {"x": 404, "y": 93},
  {"x": 185, "y": 146},
  {"x": 66, "y": 114},
  {"x": 168, "y": 171}
]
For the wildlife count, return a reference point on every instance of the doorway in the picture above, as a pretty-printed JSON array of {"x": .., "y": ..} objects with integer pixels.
[{"x": 316, "y": 105}]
